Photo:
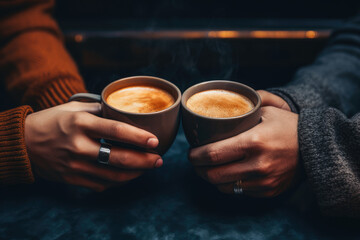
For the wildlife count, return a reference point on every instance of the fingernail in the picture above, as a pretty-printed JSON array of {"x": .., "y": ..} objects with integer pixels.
[
  {"x": 152, "y": 142},
  {"x": 158, "y": 163}
]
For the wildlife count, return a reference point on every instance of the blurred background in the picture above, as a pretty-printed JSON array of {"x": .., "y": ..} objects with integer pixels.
[{"x": 260, "y": 43}]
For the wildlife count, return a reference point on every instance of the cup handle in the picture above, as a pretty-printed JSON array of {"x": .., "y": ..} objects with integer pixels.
[{"x": 89, "y": 97}]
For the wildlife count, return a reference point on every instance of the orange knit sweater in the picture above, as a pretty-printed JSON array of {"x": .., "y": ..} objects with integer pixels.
[{"x": 37, "y": 72}]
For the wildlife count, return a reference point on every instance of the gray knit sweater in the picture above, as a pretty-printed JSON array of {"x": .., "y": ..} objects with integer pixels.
[{"x": 327, "y": 97}]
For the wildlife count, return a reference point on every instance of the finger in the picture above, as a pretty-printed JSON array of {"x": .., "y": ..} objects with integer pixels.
[
  {"x": 87, "y": 182},
  {"x": 228, "y": 173},
  {"x": 220, "y": 152},
  {"x": 269, "y": 99},
  {"x": 118, "y": 131},
  {"x": 132, "y": 159},
  {"x": 103, "y": 172},
  {"x": 74, "y": 106},
  {"x": 121, "y": 157}
]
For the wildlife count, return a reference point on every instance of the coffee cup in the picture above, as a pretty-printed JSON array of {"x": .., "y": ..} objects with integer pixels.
[
  {"x": 214, "y": 113},
  {"x": 163, "y": 122}
]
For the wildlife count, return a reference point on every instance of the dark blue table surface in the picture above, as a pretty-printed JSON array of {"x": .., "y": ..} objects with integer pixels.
[{"x": 167, "y": 203}]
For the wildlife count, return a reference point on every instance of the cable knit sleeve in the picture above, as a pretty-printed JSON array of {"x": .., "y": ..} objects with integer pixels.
[
  {"x": 34, "y": 64},
  {"x": 15, "y": 166}
]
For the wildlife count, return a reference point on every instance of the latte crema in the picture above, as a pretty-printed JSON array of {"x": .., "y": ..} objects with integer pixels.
[
  {"x": 140, "y": 99},
  {"x": 219, "y": 103}
]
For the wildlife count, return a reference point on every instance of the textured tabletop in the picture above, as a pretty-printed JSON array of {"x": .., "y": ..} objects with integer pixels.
[{"x": 167, "y": 203}]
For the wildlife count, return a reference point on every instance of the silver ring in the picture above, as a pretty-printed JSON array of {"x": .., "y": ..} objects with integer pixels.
[
  {"x": 237, "y": 188},
  {"x": 104, "y": 153}
]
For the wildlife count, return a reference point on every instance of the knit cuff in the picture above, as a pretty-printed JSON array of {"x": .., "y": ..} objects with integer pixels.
[
  {"x": 15, "y": 167},
  {"x": 287, "y": 98},
  {"x": 58, "y": 92}
]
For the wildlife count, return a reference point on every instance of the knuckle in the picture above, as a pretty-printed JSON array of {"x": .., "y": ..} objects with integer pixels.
[
  {"x": 77, "y": 119},
  {"x": 263, "y": 168},
  {"x": 213, "y": 155},
  {"x": 123, "y": 161},
  {"x": 118, "y": 128},
  {"x": 256, "y": 140},
  {"x": 78, "y": 146}
]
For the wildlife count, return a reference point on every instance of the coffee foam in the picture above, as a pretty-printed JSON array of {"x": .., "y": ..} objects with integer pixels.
[
  {"x": 140, "y": 99},
  {"x": 219, "y": 103}
]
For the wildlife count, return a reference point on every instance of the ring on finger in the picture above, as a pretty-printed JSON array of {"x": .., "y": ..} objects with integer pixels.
[
  {"x": 104, "y": 153},
  {"x": 238, "y": 190}
]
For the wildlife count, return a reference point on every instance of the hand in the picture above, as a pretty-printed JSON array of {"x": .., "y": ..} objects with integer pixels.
[
  {"x": 269, "y": 99},
  {"x": 264, "y": 158},
  {"x": 63, "y": 145}
]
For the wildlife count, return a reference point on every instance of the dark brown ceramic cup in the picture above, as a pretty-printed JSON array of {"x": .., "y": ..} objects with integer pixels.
[
  {"x": 163, "y": 124},
  {"x": 200, "y": 130}
]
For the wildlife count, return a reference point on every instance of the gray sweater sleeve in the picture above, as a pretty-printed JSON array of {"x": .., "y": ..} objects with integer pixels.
[
  {"x": 333, "y": 80},
  {"x": 327, "y": 97},
  {"x": 330, "y": 147}
]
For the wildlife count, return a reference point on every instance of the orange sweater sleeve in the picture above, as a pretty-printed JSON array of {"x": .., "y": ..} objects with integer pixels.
[
  {"x": 36, "y": 70},
  {"x": 34, "y": 65},
  {"x": 15, "y": 166}
]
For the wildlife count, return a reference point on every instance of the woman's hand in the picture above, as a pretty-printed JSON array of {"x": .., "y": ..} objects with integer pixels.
[
  {"x": 265, "y": 158},
  {"x": 63, "y": 146}
]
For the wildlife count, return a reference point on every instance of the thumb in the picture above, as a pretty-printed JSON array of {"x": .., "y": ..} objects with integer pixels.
[{"x": 269, "y": 99}]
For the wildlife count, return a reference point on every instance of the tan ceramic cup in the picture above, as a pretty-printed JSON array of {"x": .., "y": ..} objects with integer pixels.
[
  {"x": 200, "y": 130},
  {"x": 163, "y": 124}
]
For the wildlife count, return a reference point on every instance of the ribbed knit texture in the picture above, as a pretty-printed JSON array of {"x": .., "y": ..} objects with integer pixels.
[
  {"x": 55, "y": 93},
  {"x": 36, "y": 70},
  {"x": 15, "y": 166}
]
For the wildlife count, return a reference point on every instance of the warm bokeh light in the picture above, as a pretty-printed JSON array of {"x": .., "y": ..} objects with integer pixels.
[
  {"x": 79, "y": 38},
  {"x": 201, "y": 34},
  {"x": 224, "y": 34},
  {"x": 311, "y": 34}
]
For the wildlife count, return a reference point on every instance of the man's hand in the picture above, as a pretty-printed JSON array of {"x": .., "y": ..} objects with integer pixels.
[
  {"x": 63, "y": 145},
  {"x": 264, "y": 158},
  {"x": 269, "y": 99}
]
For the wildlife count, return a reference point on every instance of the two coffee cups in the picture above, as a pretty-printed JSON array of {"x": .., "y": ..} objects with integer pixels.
[{"x": 211, "y": 111}]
